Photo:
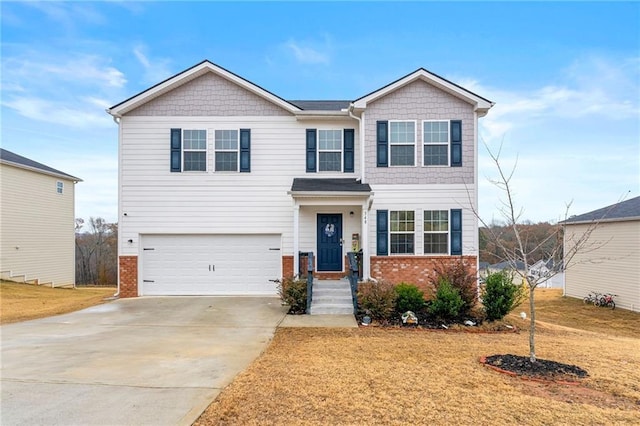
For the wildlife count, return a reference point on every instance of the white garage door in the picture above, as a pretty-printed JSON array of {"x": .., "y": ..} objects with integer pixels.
[{"x": 210, "y": 264}]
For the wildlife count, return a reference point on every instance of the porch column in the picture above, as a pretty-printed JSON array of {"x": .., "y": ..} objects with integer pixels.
[
  {"x": 296, "y": 236},
  {"x": 364, "y": 240}
]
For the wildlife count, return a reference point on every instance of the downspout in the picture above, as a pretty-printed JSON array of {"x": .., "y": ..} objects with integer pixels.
[
  {"x": 116, "y": 120},
  {"x": 361, "y": 134}
]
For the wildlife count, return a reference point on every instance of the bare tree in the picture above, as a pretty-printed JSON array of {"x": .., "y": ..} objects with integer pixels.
[
  {"x": 520, "y": 252},
  {"x": 96, "y": 252}
]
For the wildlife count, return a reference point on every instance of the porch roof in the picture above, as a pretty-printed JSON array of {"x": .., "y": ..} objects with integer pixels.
[{"x": 317, "y": 186}]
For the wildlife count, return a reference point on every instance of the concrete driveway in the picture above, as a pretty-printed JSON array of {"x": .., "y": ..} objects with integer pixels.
[{"x": 143, "y": 361}]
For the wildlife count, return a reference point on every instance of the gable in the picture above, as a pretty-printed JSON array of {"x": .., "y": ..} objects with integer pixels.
[{"x": 208, "y": 95}]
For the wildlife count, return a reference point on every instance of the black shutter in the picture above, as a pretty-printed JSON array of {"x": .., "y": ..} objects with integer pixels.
[
  {"x": 382, "y": 231},
  {"x": 311, "y": 150},
  {"x": 382, "y": 143},
  {"x": 456, "y": 143},
  {"x": 456, "y": 232},
  {"x": 349, "y": 147},
  {"x": 245, "y": 150},
  {"x": 176, "y": 150}
]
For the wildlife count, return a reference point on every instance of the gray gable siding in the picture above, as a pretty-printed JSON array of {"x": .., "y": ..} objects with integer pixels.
[
  {"x": 420, "y": 101},
  {"x": 209, "y": 95}
]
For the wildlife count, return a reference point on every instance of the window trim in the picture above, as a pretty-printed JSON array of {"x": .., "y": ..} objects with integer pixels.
[
  {"x": 389, "y": 143},
  {"x": 237, "y": 151},
  {"x": 60, "y": 187},
  {"x": 183, "y": 150},
  {"x": 448, "y": 143},
  {"x": 447, "y": 232},
  {"x": 390, "y": 232},
  {"x": 319, "y": 150}
]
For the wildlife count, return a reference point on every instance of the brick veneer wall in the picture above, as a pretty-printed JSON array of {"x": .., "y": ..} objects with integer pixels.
[
  {"x": 287, "y": 266},
  {"x": 128, "y": 276},
  {"x": 414, "y": 269}
]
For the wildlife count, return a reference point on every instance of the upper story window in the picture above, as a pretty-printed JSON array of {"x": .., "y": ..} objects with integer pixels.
[
  {"x": 402, "y": 235},
  {"x": 436, "y": 143},
  {"x": 436, "y": 231},
  {"x": 226, "y": 149},
  {"x": 402, "y": 143},
  {"x": 330, "y": 150},
  {"x": 194, "y": 150},
  {"x": 60, "y": 187}
]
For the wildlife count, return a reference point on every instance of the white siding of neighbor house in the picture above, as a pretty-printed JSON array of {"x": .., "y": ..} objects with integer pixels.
[
  {"x": 37, "y": 226},
  {"x": 614, "y": 267},
  {"x": 426, "y": 197},
  {"x": 157, "y": 201}
]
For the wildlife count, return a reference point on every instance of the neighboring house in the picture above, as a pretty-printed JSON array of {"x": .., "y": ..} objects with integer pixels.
[
  {"x": 507, "y": 266},
  {"x": 223, "y": 184},
  {"x": 611, "y": 263},
  {"x": 550, "y": 277},
  {"x": 37, "y": 222}
]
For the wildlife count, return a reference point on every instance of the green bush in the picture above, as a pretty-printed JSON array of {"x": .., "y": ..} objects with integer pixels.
[
  {"x": 448, "y": 303},
  {"x": 294, "y": 293},
  {"x": 461, "y": 277},
  {"x": 378, "y": 300},
  {"x": 408, "y": 298},
  {"x": 500, "y": 295}
]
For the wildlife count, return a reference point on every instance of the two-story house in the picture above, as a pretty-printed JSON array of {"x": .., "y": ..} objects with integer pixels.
[{"x": 222, "y": 184}]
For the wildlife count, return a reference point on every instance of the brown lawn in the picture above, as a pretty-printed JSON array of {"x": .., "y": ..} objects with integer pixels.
[
  {"x": 378, "y": 376},
  {"x": 20, "y": 302}
]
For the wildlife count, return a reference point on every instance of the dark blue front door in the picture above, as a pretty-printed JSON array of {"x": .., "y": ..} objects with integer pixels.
[{"x": 329, "y": 242}]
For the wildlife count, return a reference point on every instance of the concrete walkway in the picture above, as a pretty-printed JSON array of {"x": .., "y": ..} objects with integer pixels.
[
  {"x": 143, "y": 361},
  {"x": 323, "y": 321}
]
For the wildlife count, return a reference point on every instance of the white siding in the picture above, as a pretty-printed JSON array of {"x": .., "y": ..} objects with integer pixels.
[
  {"x": 614, "y": 267},
  {"x": 426, "y": 197},
  {"x": 37, "y": 226},
  {"x": 158, "y": 201}
]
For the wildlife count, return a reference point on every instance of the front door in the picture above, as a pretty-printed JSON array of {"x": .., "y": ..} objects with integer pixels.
[{"x": 329, "y": 242}]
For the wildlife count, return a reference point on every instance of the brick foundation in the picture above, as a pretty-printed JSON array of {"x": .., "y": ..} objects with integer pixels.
[
  {"x": 414, "y": 269},
  {"x": 287, "y": 266},
  {"x": 128, "y": 276}
]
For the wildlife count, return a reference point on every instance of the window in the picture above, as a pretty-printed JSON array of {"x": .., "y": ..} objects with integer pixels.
[
  {"x": 436, "y": 232},
  {"x": 59, "y": 187},
  {"x": 402, "y": 235},
  {"x": 436, "y": 143},
  {"x": 194, "y": 150},
  {"x": 226, "y": 150},
  {"x": 330, "y": 150},
  {"x": 402, "y": 138}
]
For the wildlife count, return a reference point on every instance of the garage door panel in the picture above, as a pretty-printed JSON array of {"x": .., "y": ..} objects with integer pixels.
[{"x": 210, "y": 264}]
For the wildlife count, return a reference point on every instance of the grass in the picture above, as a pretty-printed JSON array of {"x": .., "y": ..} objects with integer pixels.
[
  {"x": 382, "y": 376},
  {"x": 21, "y": 302}
]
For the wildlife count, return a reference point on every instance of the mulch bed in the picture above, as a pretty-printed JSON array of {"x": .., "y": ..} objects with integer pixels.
[
  {"x": 427, "y": 322},
  {"x": 542, "y": 369}
]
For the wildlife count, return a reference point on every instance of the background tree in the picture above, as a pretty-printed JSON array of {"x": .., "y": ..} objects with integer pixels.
[
  {"x": 96, "y": 252},
  {"x": 517, "y": 242}
]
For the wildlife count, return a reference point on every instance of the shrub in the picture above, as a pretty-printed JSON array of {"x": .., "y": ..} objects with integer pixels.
[
  {"x": 378, "y": 300},
  {"x": 294, "y": 293},
  {"x": 500, "y": 295},
  {"x": 462, "y": 278},
  {"x": 408, "y": 298},
  {"x": 447, "y": 303}
]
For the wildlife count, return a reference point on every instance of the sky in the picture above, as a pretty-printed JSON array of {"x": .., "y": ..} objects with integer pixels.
[{"x": 565, "y": 79}]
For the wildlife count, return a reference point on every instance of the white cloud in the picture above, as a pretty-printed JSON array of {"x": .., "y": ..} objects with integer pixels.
[
  {"x": 305, "y": 53},
  {"x": 53, "y": 112},
  {"x": 155, "y": 70}
]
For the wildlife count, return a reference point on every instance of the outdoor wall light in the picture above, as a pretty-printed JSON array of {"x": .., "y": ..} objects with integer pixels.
[
  {"x": 130, "y": 241},
  {"x": 350, "y": 213}
]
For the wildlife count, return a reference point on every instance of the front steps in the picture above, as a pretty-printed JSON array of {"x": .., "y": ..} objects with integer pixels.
[{"x": 331, "y": 297}]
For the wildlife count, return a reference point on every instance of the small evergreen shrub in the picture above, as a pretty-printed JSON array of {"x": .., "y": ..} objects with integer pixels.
[
  {"x": 293, "y": 292},
  {"x": 462, "y": 278},
  {"x": 500, "y": 295},
  {"x": 378, "y": 300},
  {"x": 447, "y": 304},
  {"x": 408, "y": 298}
]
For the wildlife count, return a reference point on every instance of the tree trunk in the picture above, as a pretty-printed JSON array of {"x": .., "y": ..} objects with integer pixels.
[{"x": 532, "y": 326}]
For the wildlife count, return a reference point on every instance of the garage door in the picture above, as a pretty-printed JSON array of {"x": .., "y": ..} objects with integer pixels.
[{"x": 210, "y": 264}]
